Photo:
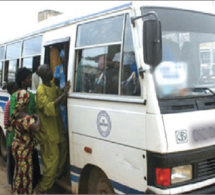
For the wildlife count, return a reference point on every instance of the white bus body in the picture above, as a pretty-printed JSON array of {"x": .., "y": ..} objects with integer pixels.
[{"x": 154, "y": 135}]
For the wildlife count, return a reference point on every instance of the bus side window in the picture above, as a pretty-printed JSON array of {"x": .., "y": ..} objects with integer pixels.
[
  {"x": 95, "y": 71},
  {"x": 117, "y": 64},
  {"x": 85, "y": 71},
  {"x": 10, "y": 69}
]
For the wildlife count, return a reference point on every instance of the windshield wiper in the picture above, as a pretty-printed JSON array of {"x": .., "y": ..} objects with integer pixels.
[{"x": 201, "y": 89}]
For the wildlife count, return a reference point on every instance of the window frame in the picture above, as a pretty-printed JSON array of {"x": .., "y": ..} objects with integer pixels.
[
  {"x": 111, "y": 97},
  {"x": 2, "y": 62},
  {"x": 6, "y": 61}
]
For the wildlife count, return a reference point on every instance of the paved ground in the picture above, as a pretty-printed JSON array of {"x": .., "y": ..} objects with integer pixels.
[{"x": 6, "y": 189}]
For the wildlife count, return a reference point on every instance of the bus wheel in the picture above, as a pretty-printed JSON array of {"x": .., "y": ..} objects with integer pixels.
[
  {"x": 98, "y": 183},
  {"x": 3, "y": 146}
]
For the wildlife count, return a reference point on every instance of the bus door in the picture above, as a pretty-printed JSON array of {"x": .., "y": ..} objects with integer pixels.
[{"x": 53, "y": 52}]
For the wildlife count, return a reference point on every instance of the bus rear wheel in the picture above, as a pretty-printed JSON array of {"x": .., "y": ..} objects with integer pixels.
[
  {"x": 98, "y": 183},
  {"x": 3, "y": 146}
]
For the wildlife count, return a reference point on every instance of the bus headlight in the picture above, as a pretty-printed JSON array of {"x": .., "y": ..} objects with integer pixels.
[{"x": 181, "y": 174}]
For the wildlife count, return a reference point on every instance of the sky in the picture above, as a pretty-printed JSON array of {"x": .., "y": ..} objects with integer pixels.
[{"x": 17, "y": 16}]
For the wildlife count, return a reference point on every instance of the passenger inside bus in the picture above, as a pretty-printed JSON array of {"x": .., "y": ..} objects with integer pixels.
[
  {"x": 130, "y": 84},
  {"x": 100, "y": 77},
  {"x": 60, "y": 81},
  {"x": 113, "y": 76}
]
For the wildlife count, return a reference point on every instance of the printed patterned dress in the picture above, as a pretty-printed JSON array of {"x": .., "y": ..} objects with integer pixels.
[{"x": 22, "y": 147}]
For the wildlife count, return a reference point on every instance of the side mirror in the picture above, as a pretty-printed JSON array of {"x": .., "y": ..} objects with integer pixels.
[{"x": 152, "y": 42}]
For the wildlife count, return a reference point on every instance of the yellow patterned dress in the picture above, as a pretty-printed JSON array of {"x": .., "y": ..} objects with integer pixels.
[{"x": 22, "y": 147}]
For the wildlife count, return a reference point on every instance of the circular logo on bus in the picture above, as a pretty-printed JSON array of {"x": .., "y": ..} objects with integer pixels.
[{"x": 103, "y": 123}]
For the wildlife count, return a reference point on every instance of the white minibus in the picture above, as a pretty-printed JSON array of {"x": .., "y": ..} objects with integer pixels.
[{"x": 141, "y": 109}]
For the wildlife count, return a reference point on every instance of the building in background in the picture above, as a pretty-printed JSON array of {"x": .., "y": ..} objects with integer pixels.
[{"x": 46, "y": 14}]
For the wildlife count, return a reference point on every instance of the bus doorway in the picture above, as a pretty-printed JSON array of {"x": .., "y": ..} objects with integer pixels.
[{"x": 56, "y": 55}]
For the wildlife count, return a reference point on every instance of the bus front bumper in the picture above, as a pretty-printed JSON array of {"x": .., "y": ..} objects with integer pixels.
[{"x": 207, "y": 190}]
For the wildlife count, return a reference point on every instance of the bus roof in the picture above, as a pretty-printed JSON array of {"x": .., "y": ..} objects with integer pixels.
[{"x": 62, "y": 20}]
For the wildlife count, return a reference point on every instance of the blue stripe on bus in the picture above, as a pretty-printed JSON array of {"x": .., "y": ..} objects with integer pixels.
[
  {"x": 120, "y": 187},
  {"x": 125, "y": 189},
  {"x": 3, "y": 101},
  {"x": 4, "y": 98},
  {"x": 75, "y": 169},
  {"x": 2, "y": 105},
  {"x": 75, "y": 178}
]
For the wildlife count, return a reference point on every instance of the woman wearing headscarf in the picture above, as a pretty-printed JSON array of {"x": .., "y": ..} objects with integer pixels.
[
  {"x": 23, "y": 143},
  {"x": 24, "y": 81}
]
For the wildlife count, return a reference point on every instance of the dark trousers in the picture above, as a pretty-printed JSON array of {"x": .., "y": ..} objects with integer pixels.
[
  {"x": 10, "y": 166},
  {"x": 36, "y": 168}
]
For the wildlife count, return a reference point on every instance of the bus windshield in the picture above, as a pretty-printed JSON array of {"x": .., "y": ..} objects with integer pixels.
[{"x": 187, "y": 68}]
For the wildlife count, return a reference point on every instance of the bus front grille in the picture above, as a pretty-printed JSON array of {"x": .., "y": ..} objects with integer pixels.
[{"x": 206, "y": 169}]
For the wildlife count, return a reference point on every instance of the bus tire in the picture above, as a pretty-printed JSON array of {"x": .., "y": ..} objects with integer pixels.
[
  {"x": 98, "y": 183},
  {"x": 3, "y": 146}
]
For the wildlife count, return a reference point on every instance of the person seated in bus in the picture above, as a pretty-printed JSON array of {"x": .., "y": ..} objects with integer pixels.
[
  {"x": 52, "y": 137},
  {"x": 11, "y": 88},
  {"x": 112, "y": 77},
  {"x": 130, "y": 84},
  {"x": 23, "y": 79},
  {"x": 23, "y": 143},
  {"x": 60, "y": 80},
  {"x": 100, "y": 77}
]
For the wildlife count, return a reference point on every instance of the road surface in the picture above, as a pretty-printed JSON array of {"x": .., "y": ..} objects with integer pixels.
[{"x": 6, "y": 189}]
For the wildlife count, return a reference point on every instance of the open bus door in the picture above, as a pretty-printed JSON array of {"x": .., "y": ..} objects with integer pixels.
[{"x": 52, "y": 58}]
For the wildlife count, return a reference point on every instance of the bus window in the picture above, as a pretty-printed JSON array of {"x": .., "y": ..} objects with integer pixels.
[
  {"x": 1, "y": 62},
  {"x": 1, "y": 66},
  {"x": 32, "y": 46},
  {"x": 31, "y": 54},
  {"x": 96, "y": 71},
  {"x": 106, "y": 70},
  {"x": 100, "y": 32},
  {"x": 13, "y": 51},
  {"x": 10, "y": 70},
  {"x": 31, "y": 63},
  {"x": 12, "y": 61},
  {"x": 27, "y": 62}
]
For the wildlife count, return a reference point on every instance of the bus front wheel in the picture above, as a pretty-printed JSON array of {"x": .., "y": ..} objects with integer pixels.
[{"x": 98, "y": 183}]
